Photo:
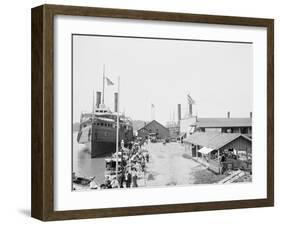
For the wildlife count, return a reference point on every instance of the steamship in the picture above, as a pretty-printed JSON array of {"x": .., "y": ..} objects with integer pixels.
[{"x": 98, "y": 128}]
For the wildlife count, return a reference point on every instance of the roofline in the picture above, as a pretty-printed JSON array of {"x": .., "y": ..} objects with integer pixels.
[
  {"x": 247, "y": 138},
  {"x": 240, "y": 135},
  {"x": 150, "y": 123},
  {"x": 219, "y": 126}
]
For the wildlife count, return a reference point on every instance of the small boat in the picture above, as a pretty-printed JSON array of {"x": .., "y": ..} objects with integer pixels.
[{"x": 82, "y": 181}]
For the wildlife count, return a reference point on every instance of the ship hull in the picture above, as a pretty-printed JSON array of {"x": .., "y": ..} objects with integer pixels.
[
  {"x": 101, "y": 141},
  {"x": 100, "y": 148}
]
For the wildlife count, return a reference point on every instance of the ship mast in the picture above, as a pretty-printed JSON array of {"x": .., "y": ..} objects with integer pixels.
[
  {"x": 103, "y": 79},
  {"x": 117, "y": 128}
]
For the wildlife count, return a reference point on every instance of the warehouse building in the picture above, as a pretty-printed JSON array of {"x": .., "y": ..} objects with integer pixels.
[
  {"x": 224, "y": 125},
  {"x": 153, "y": 129},
  {"x": 210, "y": 147},
  {"x": 221, "y": 125}
]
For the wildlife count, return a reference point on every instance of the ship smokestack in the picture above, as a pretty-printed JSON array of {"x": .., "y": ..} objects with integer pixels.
[
  {"x": 115, "y": 102},
  {"x": 179, "y": 112},
  {"x": 190, "y": 102},
  {"x": 98, "y": 102},
  {"x": 228, "y": 114},
  {"x": 93, "y": 102},
  {"x": 190, "y": 109},
  {"x": 251, "y": 114}
]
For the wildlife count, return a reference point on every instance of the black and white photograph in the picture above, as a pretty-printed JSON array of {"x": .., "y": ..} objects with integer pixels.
[{"x": 157, "y": 112}]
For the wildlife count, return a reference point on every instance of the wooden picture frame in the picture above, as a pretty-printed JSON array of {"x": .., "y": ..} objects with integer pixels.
[{"x": 42, "y": 203}]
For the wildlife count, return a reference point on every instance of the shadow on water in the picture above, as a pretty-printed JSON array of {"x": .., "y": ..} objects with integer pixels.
[{"x": 85, "y": 166}]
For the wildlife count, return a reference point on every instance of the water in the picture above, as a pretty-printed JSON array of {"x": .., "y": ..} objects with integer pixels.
[{"x": 84, "y": 165}]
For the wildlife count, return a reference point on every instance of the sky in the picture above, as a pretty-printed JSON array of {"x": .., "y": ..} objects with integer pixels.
[{"x": 217, "y": 75}]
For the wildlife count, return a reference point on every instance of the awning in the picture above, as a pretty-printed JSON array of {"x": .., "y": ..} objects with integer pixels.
[
  {"x": 205, "y": 150},
  {"x": 182, "y": 135}
]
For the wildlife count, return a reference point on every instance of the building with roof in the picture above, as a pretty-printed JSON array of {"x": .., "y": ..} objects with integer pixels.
[
  {"x": 222, "y": 125},
  {"x": 191, "y": 123},
  {"x": 153, "y": 128},
  {"x": 174, "y": 129},
  {"x": 208, "y": 147}
]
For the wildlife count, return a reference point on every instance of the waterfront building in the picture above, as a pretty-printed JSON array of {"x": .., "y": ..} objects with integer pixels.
[
  {"x": 223, "y": 125},
  {"x": 209, "y": 147},
  {"x": 155, "y": 129}
]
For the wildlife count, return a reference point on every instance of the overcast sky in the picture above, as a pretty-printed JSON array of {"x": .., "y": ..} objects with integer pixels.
[{"x": 218, "y": 76}]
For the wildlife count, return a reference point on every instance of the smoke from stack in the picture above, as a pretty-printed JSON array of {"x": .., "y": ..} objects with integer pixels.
[
  {"x": 98, "y": 100},
  {"x": 179, "y": 112},
  {"x": 115, "y": 102}
]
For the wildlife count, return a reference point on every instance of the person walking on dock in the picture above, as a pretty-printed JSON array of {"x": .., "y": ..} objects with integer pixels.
[
  {"x": 114, "y": 183},
  {"x": 128, "y": 179},
  {"x": 135, "y": 178},
  {"x": 121, "y": 178}
]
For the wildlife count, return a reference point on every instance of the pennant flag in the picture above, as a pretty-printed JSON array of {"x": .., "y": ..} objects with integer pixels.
[
  {"x": 109, "y": 82},
  {"x": 190, "y": 100}
]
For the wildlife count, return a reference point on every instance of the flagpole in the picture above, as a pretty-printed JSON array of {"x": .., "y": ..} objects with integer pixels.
[
  {"x": 117, "y": 127},
  {"x": 151, "y": 114}
]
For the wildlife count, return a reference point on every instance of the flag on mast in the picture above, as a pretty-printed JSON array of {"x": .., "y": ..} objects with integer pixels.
[
  {"x": 190, "y": 100},
  {"x": 152, "y": 112},
  {"x": 109, "y": 82}
]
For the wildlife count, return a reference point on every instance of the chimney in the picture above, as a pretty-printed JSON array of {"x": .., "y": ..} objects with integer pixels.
[
  {"x": 190, "y": 109},
  {"x": 98, "y": 102},
  {"x": 179, "y": 112},
  {"x": 115, "y": 102},
  {"x": 93, "y": 102},
  {"x": 251, "y": 114},
  {"x": 228, "y": 114}
]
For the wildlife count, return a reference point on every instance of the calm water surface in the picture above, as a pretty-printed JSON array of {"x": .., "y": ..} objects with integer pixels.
[{"x": 84, "y": 165}]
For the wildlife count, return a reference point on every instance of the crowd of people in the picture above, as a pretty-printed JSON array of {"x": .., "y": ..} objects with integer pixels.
[{"x": 131, "y": 168}]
